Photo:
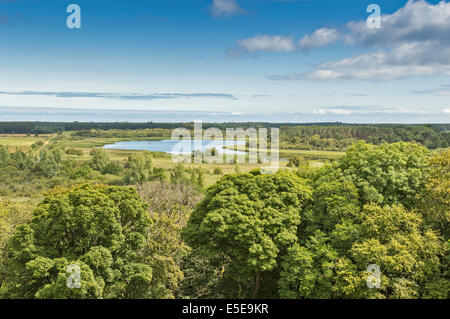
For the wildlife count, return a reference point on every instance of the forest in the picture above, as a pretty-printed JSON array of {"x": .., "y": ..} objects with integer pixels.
[
  {"x": 334, "y": 136},
  {"x": 139, "y": 226}
]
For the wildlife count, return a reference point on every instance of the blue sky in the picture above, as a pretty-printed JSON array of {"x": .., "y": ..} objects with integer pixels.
[{"x": 316, "y": 58}]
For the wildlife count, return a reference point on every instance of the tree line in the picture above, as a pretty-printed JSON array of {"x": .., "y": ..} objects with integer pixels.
[
  {"x": 341, "y": 137},
  {"x": 329, "y": 136}
]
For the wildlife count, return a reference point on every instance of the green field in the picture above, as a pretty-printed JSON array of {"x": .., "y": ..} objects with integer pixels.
[
  {"x": 160, "y": 160},
  {"x": 22, "y": 142},
  {"x": 164, "y": 160}
]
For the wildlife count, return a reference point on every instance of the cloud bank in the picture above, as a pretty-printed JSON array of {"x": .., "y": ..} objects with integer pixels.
[
  {"x": 413, "y": 41},
  {"x": 120, "y": 96}
]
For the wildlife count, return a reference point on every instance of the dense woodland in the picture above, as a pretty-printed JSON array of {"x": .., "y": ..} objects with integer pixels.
[
  {"x": 325, "y": 136},
  {"x": 139, "y": 231}
]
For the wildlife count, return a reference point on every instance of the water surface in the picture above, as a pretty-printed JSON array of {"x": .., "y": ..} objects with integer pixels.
[{"x": 177, "y": 146}]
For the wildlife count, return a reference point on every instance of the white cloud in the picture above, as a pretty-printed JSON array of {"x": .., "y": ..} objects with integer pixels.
[
  {"x": 413, "y": 41},
  {"x": 220, "y": 8},
  {"x": 410, "y": 59},
  {"x": 446, "y": 111},
  {"x": 278, "y": 43},
  {"x": 319, "y": 38},
  {"x": 416, "y": 21},
  {"x": 268, "y": 43}
]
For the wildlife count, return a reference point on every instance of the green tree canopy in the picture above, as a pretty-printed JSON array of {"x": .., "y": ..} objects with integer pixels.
[
  {"x": 139, "y": 167},
  {"x": 435, "y": 198},
  {"x": 102, "y": 230},
  {"x": 100, "y": 159},
  {"x": 334, "y": 265},
  {"x": 249, "y": 221},
  {"x": 4, "y": 156},
  {"x": 48, "y": 163},
  {"x": 169, "y": 206},
  {"x": 364, "y": 212},
  {"x": 386, "y": 174}
]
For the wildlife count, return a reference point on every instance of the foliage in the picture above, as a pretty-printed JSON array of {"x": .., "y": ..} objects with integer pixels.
[
  {"x": 359, "y": 217},
  {"x": 82, "y": 172},
  {"x": 4, "y": 156},
  {"x": 390, "y": 237},
  {"x": 308, "y": 270},
  {"x": 306, "y": 236},
  {"x": 113, "y": 169},
  {"x": 169, "y": 206},
  {"x": 11, "y": 215},
  {"x": 386, "y": 174},
  {"x": 100, "y": 159},
  {"x": 48, "y": 163},
  {"x": 75, "y": 152},
  {"x": 297, "y": 161},
  {"x": 101, "y": 229},
  {"x": 249, "y": 220},
  {"x": 435, "y": 199},
  {"x": 139, "y": 168},
  {"x": 321, "y": 136},
  {"x": 334, "y": 138}
]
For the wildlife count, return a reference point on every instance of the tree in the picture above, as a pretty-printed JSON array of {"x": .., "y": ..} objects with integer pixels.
[
  {"x": 48, "y": 163},
  {"x": 83, "y": 172},
  {"x": 74, "y": 152},
  {"x": 11, "y": 215},
  {"x": 248, "y": 221},
  {"x": 390, "y": 237},
  {"x": 4, "y": 156},
  {"x": 100, "y": 159},
  {"x": 434, "y": 206},
  {"x": 139, "y": 167},
  {"x": 308, "y": 270},
  {"x": 395, "y": 239},
  {"x": 100, "y": 229},
  {"x": 169, "y": 206},
  {"x": 435, "y": 198},
  {"x": 200, "y": 181},
  {"x": 388, "y": 173},
  {"x": 177, "y": 174},
  {"x": 365, "y": 212},
  {"x": 297, "y": 161},
  {"x": 113, "y": 169}
]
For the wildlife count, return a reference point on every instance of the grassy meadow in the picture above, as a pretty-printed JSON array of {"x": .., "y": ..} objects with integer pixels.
[
  {"x": 22, "y": 141},
  {"x": 160, "y": 160}
]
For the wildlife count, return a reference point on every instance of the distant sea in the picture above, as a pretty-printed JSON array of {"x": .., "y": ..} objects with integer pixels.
[{"x": 85, "y": 115}]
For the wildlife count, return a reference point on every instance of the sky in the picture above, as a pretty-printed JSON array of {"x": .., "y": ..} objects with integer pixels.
[{"x": 309, "y": 60}]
